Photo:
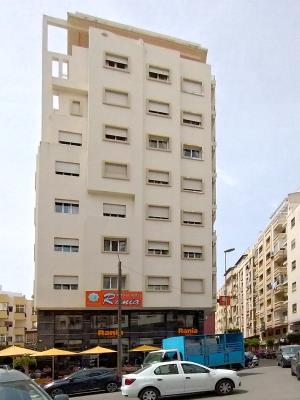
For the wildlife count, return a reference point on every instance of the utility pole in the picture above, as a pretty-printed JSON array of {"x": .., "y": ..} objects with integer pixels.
[{"x": 119, "y": 355}]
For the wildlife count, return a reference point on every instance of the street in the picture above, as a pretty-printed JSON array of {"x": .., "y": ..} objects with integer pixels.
[{"x": 261, "y": 383}]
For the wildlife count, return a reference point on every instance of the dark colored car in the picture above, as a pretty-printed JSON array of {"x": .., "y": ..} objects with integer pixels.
[
  {"x": 14, "y": 385},
  {"x": 251, "y": 360},
  {"x": 295, "y": 365},
  {"x": 84, "y": 381},
  {"x": 285, "y": 355}
]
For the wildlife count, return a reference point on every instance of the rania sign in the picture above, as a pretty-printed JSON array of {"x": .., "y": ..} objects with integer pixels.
[
  {"x": 110, "y": 299},
  {"x": 187, "y": 331}
]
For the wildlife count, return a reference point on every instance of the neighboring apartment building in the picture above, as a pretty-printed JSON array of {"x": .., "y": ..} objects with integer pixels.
[
  {"x": 125, "y": 168},
  {"x": 17, "y": 317},
  {"x": 258, "y": 284},
  {"x": 293, "y": 261}
]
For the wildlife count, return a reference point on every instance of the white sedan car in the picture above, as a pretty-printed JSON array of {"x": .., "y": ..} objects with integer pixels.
[{"x": 177, "y": 378}]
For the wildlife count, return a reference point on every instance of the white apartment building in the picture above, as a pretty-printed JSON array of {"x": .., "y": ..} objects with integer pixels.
[
  {"x": 17, "y": 318},
  {"x": 293, "y": 261},
  {"x": 125, "y": 169}
]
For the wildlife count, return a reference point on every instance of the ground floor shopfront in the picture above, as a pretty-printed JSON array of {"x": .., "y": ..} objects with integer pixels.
[{"x": 80, "y": 330}]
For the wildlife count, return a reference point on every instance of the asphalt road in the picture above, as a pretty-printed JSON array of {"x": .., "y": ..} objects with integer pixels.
[{"x": 266, "y": 382}]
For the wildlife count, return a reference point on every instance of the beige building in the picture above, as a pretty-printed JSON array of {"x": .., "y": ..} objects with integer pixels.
[
  {"x": 17, "y": 317},
  {"x": 125, "y": 168},
  {"x": 293, "y": 261}
]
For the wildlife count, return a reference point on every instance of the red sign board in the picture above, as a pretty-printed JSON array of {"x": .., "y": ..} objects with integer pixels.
[
  {"x": 110, "y": 299},
  {"x": 222, "y": 300}
]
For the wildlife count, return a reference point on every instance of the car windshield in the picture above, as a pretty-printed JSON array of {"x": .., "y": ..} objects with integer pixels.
[
  {"x": 21, "y": 390},
  {"x": 290, "y": 350},
  {"x": 141, "y": 370},
  {"x": 153, "y": 357}
]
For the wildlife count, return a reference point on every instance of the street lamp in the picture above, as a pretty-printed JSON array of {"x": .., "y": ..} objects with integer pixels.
[{"x": 225, "y": 287}]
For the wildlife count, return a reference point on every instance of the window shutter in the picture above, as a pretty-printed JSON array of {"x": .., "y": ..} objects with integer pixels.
[
  {"x": 66, "y": 167},
  {"x": 118, "y": 209},
  {"x": 190, "y": 86},
  {"x": 158, "y": 212},
  {"x": 160, "y": 176},
  {"x": 115, "y": 170},
  {"x": 193, "y": 285},
  {"x": 192, "y": 119},
  {"x": 192, "y": 184},
  {"x": 116, "y": 98},
  {"x": 192, "y": 217},
  {"x": 116, "y": 59},
  {"x": 193, "y": 249},
  {"x": 158, "y": 108},
  {"x": 116, "y": 131},
  {"x": 69, "y": 137},
  {"x": 66, "y": 242},
  {"x": 158, "y": 245},
  {"x": 158, "y": 280},
  {"x": 65, "y": 280}
]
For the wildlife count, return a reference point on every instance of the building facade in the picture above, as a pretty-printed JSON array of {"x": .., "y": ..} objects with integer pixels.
[
  {"x": 17, "y": 317},
  {"x": 293, "y": 261},
  {"x": 125, "y": 170}
]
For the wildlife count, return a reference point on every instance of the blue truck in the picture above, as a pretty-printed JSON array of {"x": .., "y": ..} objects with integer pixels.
[{"x": 215, "y": 351}]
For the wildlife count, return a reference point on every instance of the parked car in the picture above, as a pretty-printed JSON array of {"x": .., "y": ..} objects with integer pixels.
[
  {"x": 285, "y": 355},
  {"x": 14, "y": 385},
  {"x": 295, "y": 365},
  {"x": 177, "y": 378},
  {"x": 84, "y": 381}
]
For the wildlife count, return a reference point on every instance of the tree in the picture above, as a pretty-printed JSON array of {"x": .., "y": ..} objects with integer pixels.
[
  {"x": 25, "y": 362},
  {"x": 293, "y": 338},
  {"x": 252, "y": 342},
  {"x": 270, "y": 342}
]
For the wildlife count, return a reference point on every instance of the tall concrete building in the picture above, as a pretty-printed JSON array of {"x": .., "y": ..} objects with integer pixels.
[{"x": 125, "y": 170}]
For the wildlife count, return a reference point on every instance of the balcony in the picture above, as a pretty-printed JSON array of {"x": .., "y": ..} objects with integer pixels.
[
  {"x": 280, "y": 304},
  {"x": 19, "y": 331},
  {"x": 34, "y": 318},
  {"x": 279, "y": 224},
  {"x": 269, "y": 324},
  {"x": 3, "y": 314},
  {"x": 278, "y": 321},
  {"x": 19, "y": 316},
  {"x": 3, "y": 330}
]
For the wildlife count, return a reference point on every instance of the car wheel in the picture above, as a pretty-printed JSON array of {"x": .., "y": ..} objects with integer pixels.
[
  {"x": 223, "y": 387},
  {"x": 149, "y": 394},
  {"x": 111, "y": 387},
  {"x": 292, "y": 372},
  {"x": 55, "y": 392}
]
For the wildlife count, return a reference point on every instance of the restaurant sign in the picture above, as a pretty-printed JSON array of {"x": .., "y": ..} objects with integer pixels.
[
  {"x": 109, "y": 332},
  {"x": 110, "y": 299},
  {"x": 187, "y": 331}
]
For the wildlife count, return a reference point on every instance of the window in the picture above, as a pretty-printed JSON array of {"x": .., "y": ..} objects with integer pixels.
[
  {"x": 111, "y": 282},
  {"x": 115, "y": 170},
  {"x": 192, "y": 185},
  {"x": 293, "y": 222},
  {"x": 158, "y": 177},
  {"x": 114, "y": 210},
  {"x": 158, "y": 108},
  {"x": 66, "y": 245},
  {"x": 192, "y": 119},
  {"x": 191, "y": 86},
  {"x": 192, "y": 285},
  {"x": 115, "y": 134},
  {"x": 293, "y": 286},
  {"x": 19, "y": 339},
  {"x": 76, "y": 108},
  {"x": 156, "y": 248},
  {"x": 294, "y": 308},
  {"x": 67, "y": 168},
  {"x": 193, "y": 152},
  {"x": 60, "y": 68},
  {"x": 158, "y": 283},
  {"x": 192, "y": 252},
  {"x": 168, "y": 369},
  {"x": 293, "y": 265},
  {"x": 116, "y": 98},
  {"x": 158, "y": 74},
  {"x": 158, "y": 212},
  {"x": 158, "y": 142},
  {"x": 116, "y": 62},
  {"x": 115, "y": 245},
  {"x": 68, "y": 322},
  {"x": 55, "y": 102},
  {"x": 192, "y": 218},
  {"x": 193, "y": 369},
  {"x": 63, "y": 282},
  {"x": 293, "y": 244},
  {"x": 3, "y": 306},
  {"x": 268, "y": 240},
  {"x": 67, "y": 206},
  {"x": 20, "y": 308},
  {"x": 70, "y": 138}
]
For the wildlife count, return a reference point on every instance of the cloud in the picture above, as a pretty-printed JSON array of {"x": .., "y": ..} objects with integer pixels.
[{"x": 227, "y": 179}]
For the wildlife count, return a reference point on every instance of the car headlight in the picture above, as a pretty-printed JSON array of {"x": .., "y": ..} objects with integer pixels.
[
  {"x": 48, "y": 385},
  {"x": 285, "y": 356}
]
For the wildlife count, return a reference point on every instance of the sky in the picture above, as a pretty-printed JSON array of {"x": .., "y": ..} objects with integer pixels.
[{"x": 253, "y": 48}]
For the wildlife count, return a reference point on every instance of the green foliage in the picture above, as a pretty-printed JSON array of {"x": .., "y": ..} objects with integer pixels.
[
  {"x": 270, "y": 342},
  {"x": 252, "y": 342},
  {"x": 293, "y": 338},
  {"x": 25, "y": 362}
]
